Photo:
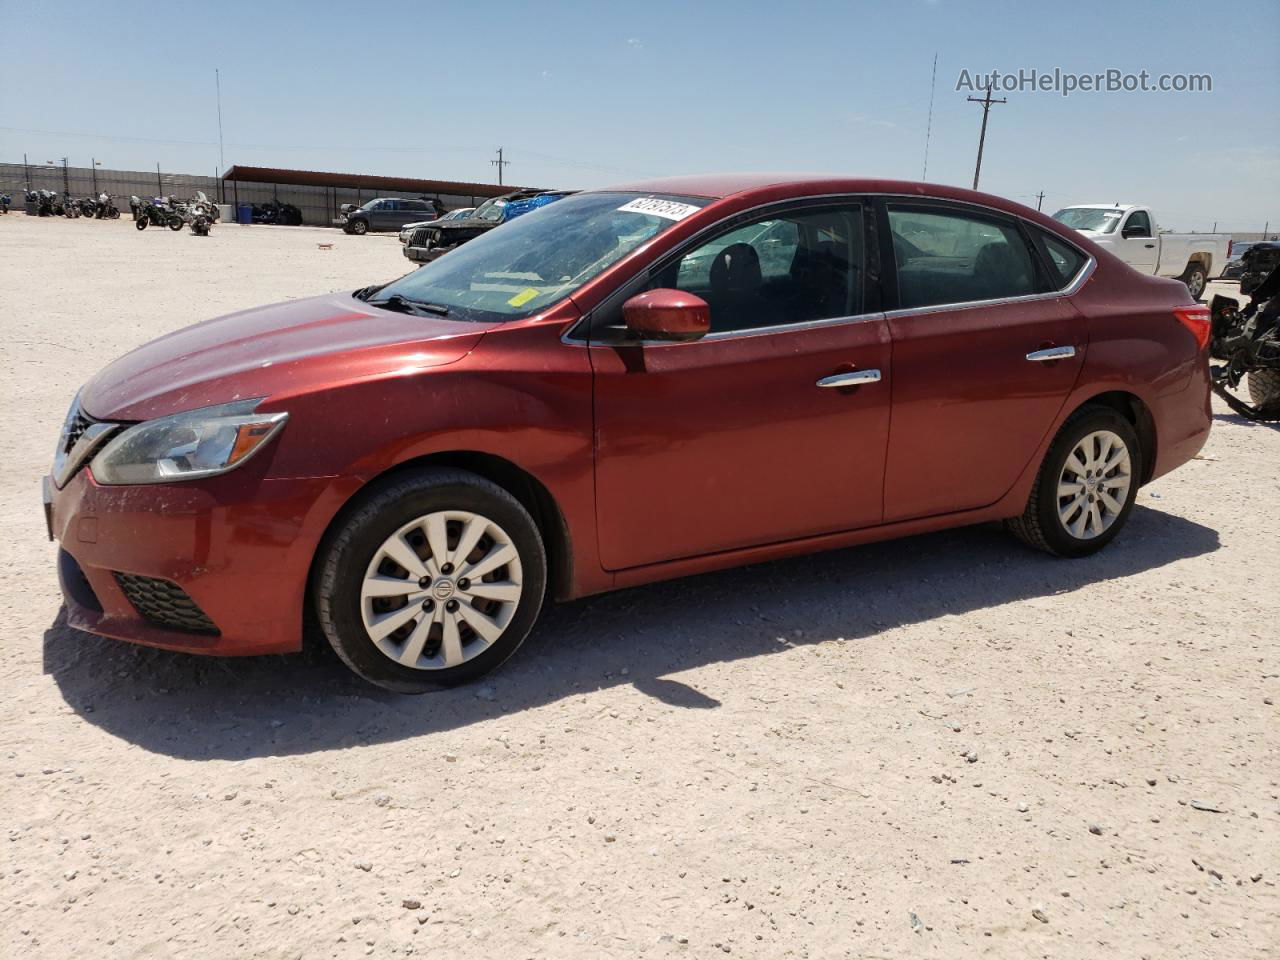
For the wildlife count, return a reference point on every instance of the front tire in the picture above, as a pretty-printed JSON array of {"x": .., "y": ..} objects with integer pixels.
[
  {"x": 175, "y": 223},
  {"x": 1196, "y": 278},
  {"x": 435, "y": 579},
  {"x": 1086, "y": 486},
  {"x": 141, "y": 223},
  {"x": 359, "y": 227}
]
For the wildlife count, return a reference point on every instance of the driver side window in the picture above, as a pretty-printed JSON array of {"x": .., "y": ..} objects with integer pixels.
[
  {"x": 789, "y": 268},
  {"x": 1138, "y": 224}
]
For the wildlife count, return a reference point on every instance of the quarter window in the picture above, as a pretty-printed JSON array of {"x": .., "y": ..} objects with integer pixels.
[
  {"x": 1065, "y": 259},
  {"x": 789, "y": 268},
  {"x": 954, "y": 257}
]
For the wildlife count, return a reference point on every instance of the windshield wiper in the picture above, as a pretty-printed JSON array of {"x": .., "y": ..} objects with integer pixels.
[
  {"x": 364, "y": 293},
  {"x": 405, "y": 304}
]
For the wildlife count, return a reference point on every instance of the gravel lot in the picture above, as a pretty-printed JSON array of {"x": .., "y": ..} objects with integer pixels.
[{"x": 768, "y": 762}]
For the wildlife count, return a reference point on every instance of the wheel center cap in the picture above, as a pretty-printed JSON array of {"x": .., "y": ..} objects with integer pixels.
[{"x": 442, "y": 589}]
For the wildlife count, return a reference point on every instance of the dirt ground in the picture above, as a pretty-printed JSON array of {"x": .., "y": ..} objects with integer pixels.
[{"x": 768, "y": 762}]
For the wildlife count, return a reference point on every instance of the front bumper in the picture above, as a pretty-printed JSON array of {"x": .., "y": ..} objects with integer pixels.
[
  {"x": 239, "y": 546},
  {"x": 425, "y": 254}
]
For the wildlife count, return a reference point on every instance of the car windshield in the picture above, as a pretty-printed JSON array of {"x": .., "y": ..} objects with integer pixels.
[
  {"x": 371, "y": 204},
  {"x": 541, "y": 257},
  {"x": 491, "y": 209},
  {"x": 1089, "y": 218}
]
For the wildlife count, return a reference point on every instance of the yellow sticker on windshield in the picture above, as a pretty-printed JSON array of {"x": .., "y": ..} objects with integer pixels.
[{"x": 523, "y": 297}]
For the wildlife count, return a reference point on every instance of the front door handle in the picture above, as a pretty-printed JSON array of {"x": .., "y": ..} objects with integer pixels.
[
  {"x": 1051, "y": 353},
  {"x": 1149, "y": 246},
  {"x": 852, "y": 379}
]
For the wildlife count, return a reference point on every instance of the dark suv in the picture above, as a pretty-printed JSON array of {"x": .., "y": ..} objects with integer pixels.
[{"x": 389, "y": 213}]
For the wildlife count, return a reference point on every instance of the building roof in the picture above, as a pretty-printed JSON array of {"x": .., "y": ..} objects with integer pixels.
[{"x": 316, "y": 178}]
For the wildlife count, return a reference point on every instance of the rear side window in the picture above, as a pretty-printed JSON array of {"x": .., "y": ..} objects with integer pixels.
[
  {"x": 1065, "y": 260},
  {"x": 955, "y": 257}
]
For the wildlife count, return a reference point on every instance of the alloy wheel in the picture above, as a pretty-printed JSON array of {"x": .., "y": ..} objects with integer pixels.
[
  {"x": 1094, "y": 484},
  {"x": 441, "y": 590}
]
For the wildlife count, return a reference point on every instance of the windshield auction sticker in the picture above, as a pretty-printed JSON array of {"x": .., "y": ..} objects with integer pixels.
[{"x": 667, "y": 209}]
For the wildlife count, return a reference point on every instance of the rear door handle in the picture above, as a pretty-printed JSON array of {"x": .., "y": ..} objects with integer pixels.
[
  {"x": 1051, "y": 353},
  {"x": 851, "y": 379}
]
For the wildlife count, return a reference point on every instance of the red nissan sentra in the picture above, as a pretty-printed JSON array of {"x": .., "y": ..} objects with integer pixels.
[{"x": 628, "y": 385}]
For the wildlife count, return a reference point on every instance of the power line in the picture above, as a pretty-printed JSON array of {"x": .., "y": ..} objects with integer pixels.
[
  {"x": 986, "y": 102},
  {"x": 928, "y": 130}
]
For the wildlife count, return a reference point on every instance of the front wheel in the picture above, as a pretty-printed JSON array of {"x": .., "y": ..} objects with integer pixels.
[
  {"x": 141, "y": 223},
  {"x": 434, "y": 580},
  {"x": 1195, "y": 277},
  {"x": 113, "y": 214},
  {"x": 359, "y": 227},
  {"x": 1086, "y": 486},
  {"x": 175, "y": 222}
]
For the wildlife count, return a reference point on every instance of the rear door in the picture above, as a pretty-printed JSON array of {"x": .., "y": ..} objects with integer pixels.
[
  {"x": 984, "y": 355},
  {"x": 741, "y": 438}
]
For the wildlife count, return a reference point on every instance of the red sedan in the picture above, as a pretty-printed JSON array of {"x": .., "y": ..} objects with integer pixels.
[{"x": 628, "y": 385}]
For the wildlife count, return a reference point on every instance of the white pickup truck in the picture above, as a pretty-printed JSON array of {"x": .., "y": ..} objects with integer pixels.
[{"x": 1130, "y": 232}]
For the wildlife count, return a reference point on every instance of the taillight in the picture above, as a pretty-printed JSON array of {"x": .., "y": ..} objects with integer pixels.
[{"x": 1196, "y": 319}]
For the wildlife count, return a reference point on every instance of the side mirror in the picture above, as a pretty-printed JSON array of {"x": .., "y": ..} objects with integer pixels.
[
  {"x": 667, "y": 315},
  {"x": 1135, "y": 231}
]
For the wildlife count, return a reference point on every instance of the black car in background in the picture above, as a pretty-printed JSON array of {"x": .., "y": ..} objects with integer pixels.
[
  {"x": 389, "y": 213},
  {"x": 432, "y": 240}
]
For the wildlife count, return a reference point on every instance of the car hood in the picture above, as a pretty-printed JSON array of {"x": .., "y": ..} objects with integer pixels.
[{"x": 273, "y": 351}]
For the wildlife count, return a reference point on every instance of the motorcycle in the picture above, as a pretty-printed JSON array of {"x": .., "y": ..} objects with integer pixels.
[
  {"x": 71, "y": 208},
  {"x": 103, "y": 208},
  {"x": 1248, "y": 340},
  {"x": 43, "y": 200},
  {"x": 156, "y": 212},
  {"x": 275, "y": 212}
]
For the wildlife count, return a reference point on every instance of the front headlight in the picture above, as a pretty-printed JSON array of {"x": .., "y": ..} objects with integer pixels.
[{"x": 198, "y": 443}]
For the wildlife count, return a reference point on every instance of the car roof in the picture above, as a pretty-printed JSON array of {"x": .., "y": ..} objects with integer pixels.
[
  {"x": 1102, "y": 206},
  {"x": 787, "y": 185}
]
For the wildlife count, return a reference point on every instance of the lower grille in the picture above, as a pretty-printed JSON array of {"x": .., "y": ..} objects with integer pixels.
[{"x": 165, "y": 604}]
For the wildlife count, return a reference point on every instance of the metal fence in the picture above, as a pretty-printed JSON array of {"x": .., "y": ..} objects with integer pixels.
[{"x": 318, "y": 205}]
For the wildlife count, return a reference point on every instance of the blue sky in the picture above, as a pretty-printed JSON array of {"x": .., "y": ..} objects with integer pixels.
[{"x": 587, "y": 94}]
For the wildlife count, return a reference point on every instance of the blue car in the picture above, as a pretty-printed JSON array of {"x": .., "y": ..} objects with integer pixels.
[{"x": 436, "y": 239}]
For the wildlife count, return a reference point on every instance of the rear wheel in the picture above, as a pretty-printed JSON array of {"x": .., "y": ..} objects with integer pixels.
[
  {"x": 175, "y": 222},
  {"x": 435, "y": 580},
  {"x": 1086, "y": 486},
  {"x": 1264, "y": 392},
  {"x": 1195, "y": 277}
]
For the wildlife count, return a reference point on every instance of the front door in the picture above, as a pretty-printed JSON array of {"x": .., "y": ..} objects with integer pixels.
[
  {"x": 735, "y": 440},
  {"x": 1136, "y": 242},
  {"x": 983, "y": 358}
]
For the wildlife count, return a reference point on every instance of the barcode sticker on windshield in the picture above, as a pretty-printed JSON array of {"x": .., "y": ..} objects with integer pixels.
[{"x": 667, "y": 209}]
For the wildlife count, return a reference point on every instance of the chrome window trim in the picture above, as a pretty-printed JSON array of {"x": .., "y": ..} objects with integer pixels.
[{"x": 1069, "y": 290}]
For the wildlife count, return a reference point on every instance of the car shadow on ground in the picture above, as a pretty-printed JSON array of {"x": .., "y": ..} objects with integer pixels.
[
  {"x": 208, "y": 708},
  {"x": 1245, "y": 421}
]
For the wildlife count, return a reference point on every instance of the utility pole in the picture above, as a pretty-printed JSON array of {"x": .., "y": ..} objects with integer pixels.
[
  {"x": 986, "y": 102},
  {"x": 217, "y": 81},
  {"x": 94, "y": 165},
  {"x": 159, "y": 182},
  {"x": 500, "y": 163},
  {"x": 1039, "y": 199}
]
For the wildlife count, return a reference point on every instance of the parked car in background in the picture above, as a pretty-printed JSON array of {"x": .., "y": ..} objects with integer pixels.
[
  {"x": 634, "y": 384},
  {"x": 1131, "y": 232},
  {"x": 1235, "y": 261},
  {"x": 388, "y": 213},
  {"x": 433, "y": 240},
  {"x": 407, "y": 230}
]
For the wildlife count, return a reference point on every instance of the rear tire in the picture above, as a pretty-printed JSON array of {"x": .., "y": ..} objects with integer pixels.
[
  {"x": 1264, "y": 392},
  {"x": 1196, "y": 278},
  {"x": 1049, "y": 522},
  {"x": 175, "y": 223},
  {"x": 422, "y": 518}
]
